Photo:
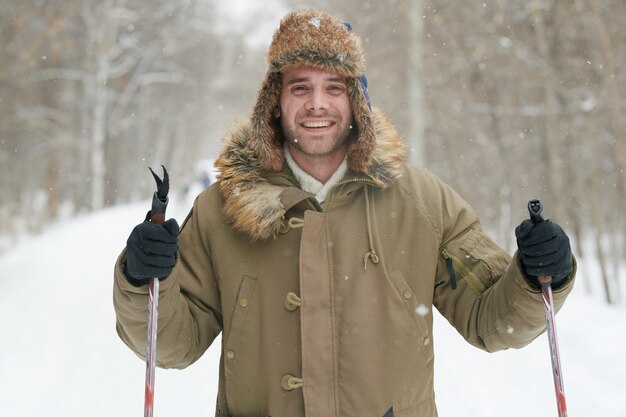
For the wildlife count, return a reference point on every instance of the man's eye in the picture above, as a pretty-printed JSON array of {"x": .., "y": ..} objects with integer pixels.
[
  {"x": 298, "y": 89},
  {"x": 336, "y": 89}
]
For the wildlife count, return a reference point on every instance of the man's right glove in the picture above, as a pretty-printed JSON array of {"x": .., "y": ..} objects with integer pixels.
[
  {"x": 151, "y": 251},
  {"x": 544, "y": 250}
]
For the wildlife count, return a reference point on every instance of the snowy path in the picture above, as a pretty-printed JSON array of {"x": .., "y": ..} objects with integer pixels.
[{"x": 61, "y": 356}]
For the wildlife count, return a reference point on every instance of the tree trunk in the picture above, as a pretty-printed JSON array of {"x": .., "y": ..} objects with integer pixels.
[
  {"x": 98, "y": 137},
  {"x": 415, "y": 76}
]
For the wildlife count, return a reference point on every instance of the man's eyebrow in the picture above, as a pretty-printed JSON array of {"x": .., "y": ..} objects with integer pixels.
[
  {"x": 297, "y": 80},
  {"x": 336, "y": 78}
]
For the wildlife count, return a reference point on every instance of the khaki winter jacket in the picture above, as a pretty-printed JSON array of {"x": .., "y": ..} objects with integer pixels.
[{"x": 326, "y": 310}]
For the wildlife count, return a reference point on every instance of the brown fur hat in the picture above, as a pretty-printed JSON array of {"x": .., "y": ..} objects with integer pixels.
[{"x": 316, "y": 39}]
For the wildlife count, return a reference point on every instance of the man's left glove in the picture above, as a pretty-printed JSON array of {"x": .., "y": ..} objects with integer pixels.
[{"x": 544, "y": 250}]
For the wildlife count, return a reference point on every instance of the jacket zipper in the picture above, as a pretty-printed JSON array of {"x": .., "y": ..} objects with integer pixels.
[
  {"x": 450, "y": 268},
  {"x": 314, "y": 205},
  {"x": 343, "y": 182},
  {"x": 454, "y": 264},
  {"x": 311, "y": 204}
]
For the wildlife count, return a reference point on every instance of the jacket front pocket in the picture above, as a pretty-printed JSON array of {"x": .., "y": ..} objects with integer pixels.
[
  {"x": 240, "y": 314},
  {"x": 413, "y": 307},
  {"x": 237, "y": 357}
]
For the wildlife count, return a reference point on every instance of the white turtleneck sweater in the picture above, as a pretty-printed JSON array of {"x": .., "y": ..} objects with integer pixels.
[{"x": 310, "y": 184}]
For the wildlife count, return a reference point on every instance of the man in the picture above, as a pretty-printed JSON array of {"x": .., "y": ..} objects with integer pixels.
[{"x": 319, "y": 253}]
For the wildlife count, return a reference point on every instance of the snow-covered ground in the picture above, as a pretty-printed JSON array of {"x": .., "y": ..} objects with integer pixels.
[{"x": 60, "y": 355}]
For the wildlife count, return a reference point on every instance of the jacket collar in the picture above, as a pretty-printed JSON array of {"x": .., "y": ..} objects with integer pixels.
[{"x": 256, "y": 200}]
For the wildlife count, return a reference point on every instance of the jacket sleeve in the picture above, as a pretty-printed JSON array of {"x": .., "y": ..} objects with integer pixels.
[
  {"x": 493, "y": 306},
  {"x": 189, "y": 308}
]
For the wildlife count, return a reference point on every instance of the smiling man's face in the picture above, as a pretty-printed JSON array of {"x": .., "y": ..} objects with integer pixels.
[{"x": 315, "y": 115}]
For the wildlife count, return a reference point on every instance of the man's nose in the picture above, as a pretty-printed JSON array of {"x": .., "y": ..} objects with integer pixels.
[{"x": 317, "y": 100}]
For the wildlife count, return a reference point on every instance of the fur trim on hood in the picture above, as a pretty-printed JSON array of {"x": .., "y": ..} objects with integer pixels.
[
  {"x": 253, "y": 149},
  {"x": 253, "y": 205}
]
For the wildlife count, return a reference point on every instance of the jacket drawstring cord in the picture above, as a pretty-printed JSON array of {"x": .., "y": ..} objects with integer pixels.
[
  {"x": 292, "y": 223},
  {"x": 372, "y": 253}
]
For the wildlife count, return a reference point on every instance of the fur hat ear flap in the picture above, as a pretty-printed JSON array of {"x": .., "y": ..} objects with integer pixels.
[
  {"x": 266, "y": 138},
  {"x": 361, "y": 150}
]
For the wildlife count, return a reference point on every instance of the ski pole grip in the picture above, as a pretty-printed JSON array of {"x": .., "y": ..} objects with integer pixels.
[
  {"x": 158, "y": 209},
  {"x": 535, "y": 208},
  {"x": 160, "y": 199}
]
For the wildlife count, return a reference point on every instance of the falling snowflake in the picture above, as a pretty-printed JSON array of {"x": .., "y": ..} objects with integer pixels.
[
  {"x": 315, "y": 21},
  {"x": 422, "y": 310}
]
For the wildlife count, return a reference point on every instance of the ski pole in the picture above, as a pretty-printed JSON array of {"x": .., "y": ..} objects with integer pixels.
[
  {"x": 535, "y": 208},
  {"x": 159, "y": 204}
]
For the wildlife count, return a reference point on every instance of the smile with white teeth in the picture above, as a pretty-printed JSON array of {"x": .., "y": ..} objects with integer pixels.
[{"x": 314, "y": 124}]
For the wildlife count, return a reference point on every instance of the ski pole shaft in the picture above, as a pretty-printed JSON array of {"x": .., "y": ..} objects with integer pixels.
[
  {"x": 153, "y": 316},
  {"x": 535, "y": 208},
  {"x": 159, "y": 204}
]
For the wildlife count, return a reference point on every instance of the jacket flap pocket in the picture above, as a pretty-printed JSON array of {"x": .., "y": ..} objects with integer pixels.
[
  {"x": 240, "y": 311},
  {"x": 477, "y": 259},
  {"x": 414, "y": 308}
]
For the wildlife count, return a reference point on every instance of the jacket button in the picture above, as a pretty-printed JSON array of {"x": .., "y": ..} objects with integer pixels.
[
  {"x": 407, "y": 294},
  {"x": 230, "y": 354},
  {"x": 289, "y": 382},
  {"x": 426, "y": 341},
  {"x": 292, "y": 301},
  {"x": 243, "y": 302}
]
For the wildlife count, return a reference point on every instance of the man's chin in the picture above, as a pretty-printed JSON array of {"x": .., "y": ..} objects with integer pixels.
[{"x": 316, "y": 149}]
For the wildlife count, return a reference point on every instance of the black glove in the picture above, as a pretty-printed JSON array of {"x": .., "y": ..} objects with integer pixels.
[
  {"x": 544, "y": 250},
  {"x": 151, "y": 251}
]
